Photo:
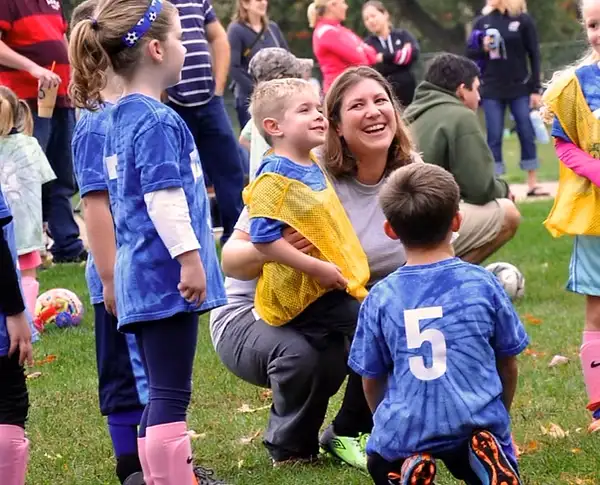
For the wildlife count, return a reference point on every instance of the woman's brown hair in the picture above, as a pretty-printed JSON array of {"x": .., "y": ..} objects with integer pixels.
[
  {"x": 241, "y": 14},
  {"x": 97, "y": 44},
  {"x": 337, "y": 157},
  {"x": 14, "y": 113},
  {"x": 377, "y": 5}
]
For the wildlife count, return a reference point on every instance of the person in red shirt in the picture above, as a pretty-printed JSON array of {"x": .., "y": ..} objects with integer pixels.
[
  {"x": 335, "y": 46},
  {"x": 32, "y": 40}
]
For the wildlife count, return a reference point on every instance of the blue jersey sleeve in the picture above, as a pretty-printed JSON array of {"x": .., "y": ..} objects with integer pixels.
[
  {"x": 88, "y": 161},
  {"x": 558, "y": 131},
  {"x": 510, "y": 337},
  {"x": 265, "y": 230},
  {"x": 158, "y": 154},
  {"x": 4, "y": 210},
  {"x": 369, "y": 355}
]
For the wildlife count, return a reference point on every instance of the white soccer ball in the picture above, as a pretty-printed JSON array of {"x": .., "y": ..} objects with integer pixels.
[{"x": 511, "y": 279}]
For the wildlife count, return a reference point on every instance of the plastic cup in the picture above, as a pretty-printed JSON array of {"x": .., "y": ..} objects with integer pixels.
[{"x": 46, "y": 101}]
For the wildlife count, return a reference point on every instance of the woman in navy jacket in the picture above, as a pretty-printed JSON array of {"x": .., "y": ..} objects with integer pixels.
[
  {"x": 249, "y": 31},
  {"x": 505, "y": 45},
  {"x": 399, "y": 48}
]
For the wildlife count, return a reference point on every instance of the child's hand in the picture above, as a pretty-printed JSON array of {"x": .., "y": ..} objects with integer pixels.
[
  {"x": 329, "y": 276},
  {"x": 192, "y": 285},
  {"x": 19, "y": 334},
  {"x": 110, "y": 302}
]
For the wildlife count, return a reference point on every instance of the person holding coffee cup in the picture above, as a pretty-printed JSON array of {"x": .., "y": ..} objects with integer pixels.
[{"x": 36, "y": 68}]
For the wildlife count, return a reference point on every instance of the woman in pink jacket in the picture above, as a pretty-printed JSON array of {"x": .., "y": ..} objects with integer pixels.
[{"x": 336, "y": 47}]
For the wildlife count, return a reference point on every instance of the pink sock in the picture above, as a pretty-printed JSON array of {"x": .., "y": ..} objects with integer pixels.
[
  {"x": 144, "y": 461},
  {"x": 31, "y": 289},
  {"x": 169, "y": 453},
  {"x": 590, "y": 362},
  {"x": 14, "y": 453}
]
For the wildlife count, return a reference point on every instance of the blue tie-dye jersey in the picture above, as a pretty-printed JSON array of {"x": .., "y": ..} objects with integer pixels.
[
  {"x": 589, "y": 80},
  {"x": 149, "y": 148},
  {"x": 88, "y": 160},
  {"x": 8, "y": 232},
  {"x": 435, "y": 332}
]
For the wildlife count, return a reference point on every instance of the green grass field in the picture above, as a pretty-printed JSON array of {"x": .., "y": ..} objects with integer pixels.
[
  {"x": 70, "y": 445},
  {"x": 512, "y": 153}
]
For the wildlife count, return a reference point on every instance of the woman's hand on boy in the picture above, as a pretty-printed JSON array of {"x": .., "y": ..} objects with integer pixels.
[
  {"x": 19, "y": 334},
  {"x": 297, "y": 240}
]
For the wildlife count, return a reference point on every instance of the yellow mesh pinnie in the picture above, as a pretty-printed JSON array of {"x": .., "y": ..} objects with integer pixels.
[
  {"x": 576, "y": 209},
  {"x": 282, "y": 292}
]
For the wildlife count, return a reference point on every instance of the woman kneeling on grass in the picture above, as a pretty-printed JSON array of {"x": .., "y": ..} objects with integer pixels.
[{"x": 366, "y": 140}]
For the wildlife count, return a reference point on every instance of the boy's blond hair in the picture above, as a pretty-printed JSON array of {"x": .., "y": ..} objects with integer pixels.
[
  {"x": 420, "y": 201},
  {"x": 270, "y": 100}
]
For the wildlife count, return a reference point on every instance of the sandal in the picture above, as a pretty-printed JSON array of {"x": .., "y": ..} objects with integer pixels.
[{"x": 537, "y": 192}]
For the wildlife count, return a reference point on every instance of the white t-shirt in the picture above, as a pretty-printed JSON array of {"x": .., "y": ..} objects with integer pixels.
[{"x": 23, "y": 169}]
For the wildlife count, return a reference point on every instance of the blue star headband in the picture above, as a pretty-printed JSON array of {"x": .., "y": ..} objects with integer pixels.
[{"x": 132, "y": 37}]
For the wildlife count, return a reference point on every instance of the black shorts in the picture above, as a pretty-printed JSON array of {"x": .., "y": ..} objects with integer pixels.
[{"x": 14, "y": 399}]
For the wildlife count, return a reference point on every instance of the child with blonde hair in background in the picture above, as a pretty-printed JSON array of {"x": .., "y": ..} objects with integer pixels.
[
  {"x": 166, "y": 269},
  {"x": 573, "y": 99},
  {"x": 24, "y": 168}
]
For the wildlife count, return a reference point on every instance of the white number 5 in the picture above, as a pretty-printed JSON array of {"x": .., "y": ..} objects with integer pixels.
[{"x": 415, "y": 339}]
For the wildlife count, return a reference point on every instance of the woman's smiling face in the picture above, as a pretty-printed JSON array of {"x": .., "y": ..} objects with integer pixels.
[{"x": 367, "y": 117}]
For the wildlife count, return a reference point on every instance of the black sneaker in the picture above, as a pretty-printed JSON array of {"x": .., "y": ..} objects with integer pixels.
[
  {"x": 206, "y": 476},
  {"x": 80, "y": 258}
]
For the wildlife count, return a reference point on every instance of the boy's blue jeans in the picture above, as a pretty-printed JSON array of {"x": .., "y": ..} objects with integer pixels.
[
  {"x": 54, "y": 135},
  {"x": 495, "y": 110},
  {"x": 220, "y": 156}
]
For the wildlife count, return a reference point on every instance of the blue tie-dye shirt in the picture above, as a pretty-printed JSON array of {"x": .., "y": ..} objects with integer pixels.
[
  {"x": 264, "y": 229},
  {"x": 589, "y": 80},
  {"x": 8, "y": 231},
  {"x": 149, "y": 148},
  {"x": 435, "y": 332},
  {"x": 88, "y": 160}
]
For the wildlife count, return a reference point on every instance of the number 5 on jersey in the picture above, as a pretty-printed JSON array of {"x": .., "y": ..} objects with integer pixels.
[{"x": 415, "y": 339}]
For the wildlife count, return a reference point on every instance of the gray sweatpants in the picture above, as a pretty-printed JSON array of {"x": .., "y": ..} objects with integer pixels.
[{"x": 302, "y": 379}]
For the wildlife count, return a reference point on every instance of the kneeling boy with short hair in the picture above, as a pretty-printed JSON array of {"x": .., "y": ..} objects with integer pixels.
[{"x": 436, "y": 345}]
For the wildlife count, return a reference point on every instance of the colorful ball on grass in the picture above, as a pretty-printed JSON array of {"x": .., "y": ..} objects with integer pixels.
[{"x": 59, "y": 306}]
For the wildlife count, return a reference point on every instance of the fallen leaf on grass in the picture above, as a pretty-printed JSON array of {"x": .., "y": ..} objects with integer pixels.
[
  {"x": 240, "y": 464},
  {"x": 571, "y": 480},
  {"x": 554, "y": 431},
  {"x": 249, "y": 439},
  {"x": 558, "y": 360},
  {"x": 529, "y": 318},
  {"x": 34, "y": 375},
  {"x": 245, "y": 409},
  {"x": 534, "y": 353},
  {"x": 530, "y": 447},
  {"x": 196, "y": 436},
  {"x": 46, "y": 360},
  {"x": 266, "y": 395},
  {"x": 576, "y": 450}
]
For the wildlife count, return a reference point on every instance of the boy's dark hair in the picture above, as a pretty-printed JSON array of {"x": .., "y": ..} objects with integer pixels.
[
  {"x": 449, "y": 71},
  {"x": 420, "y": 201}
]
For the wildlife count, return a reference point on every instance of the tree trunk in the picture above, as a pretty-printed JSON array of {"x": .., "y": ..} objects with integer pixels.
[{"x": 443, "y": 38}]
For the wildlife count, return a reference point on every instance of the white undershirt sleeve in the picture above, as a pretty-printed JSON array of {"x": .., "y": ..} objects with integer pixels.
[{"x": 170, "y": 214}]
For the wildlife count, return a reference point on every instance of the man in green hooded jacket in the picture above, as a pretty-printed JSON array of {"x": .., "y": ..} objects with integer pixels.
[{"x": 443, "y": 120}]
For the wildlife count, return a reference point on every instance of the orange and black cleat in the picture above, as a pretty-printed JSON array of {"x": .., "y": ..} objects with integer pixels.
[
  {"x": 489, "y": 462},
  {"x": 416, "y": 470}
]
